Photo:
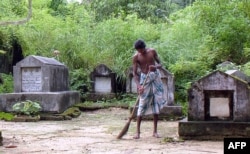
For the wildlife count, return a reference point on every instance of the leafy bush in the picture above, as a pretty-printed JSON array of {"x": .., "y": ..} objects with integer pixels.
[
  {"x": 153, "y": 10},
  {"x": 27, "y": 107},
  {"x": 6, "y": 116},
  {"x": 246, "y": 68},
  {"x": 80, "y": 81},
  {"x": 228, "y": 29},
  {"x": 7, "y": 86}
]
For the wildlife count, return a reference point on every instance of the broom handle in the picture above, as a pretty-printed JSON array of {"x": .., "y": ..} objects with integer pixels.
[{"x": 138, "y": 98}]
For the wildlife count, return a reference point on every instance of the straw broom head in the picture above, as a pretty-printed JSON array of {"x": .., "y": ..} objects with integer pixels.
[{"x": 124, "y": 130}]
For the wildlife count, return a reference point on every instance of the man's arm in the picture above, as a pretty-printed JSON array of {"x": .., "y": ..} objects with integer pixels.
[
  {"x": 135, "y": 68},
  {"x": 157, "y": 60}
]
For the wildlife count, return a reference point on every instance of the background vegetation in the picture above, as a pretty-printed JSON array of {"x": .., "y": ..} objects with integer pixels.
[{"x": 192, "y": 38}]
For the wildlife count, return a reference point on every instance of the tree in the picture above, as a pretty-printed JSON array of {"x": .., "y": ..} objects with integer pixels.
[
  {"x": 226, "y": 23},
  {"x": 18, "y": 22}
]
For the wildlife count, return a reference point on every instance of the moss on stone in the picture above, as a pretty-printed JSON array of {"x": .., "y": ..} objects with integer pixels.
[{"x": 71, "y": 112}]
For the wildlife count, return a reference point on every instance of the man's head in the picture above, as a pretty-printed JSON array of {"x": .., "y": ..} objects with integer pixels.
[{"x": 139, "y": 44}]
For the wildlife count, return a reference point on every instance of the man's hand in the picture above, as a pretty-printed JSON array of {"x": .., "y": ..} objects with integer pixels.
[
  {"x": 158, "y": 66},
  {"x": 140, "y": 89},
  {"x": 152, "y": 68}
]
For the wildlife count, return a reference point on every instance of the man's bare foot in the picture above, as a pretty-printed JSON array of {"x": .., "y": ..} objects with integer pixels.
[
  {"x": 137, "y": 136},
  {"x": 156, "y": 135}
]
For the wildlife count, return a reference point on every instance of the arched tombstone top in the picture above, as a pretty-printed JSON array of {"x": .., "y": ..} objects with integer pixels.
[
  {"x": 102, "y": 70},
  {"x": 103, "y": 80},
  {"x": 165, "y": 73},
  {"x": 130, "y": 72}
]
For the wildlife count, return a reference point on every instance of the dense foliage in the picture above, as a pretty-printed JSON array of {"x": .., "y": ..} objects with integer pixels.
[
  {"x": 6, "y": 83},
  {"x": 192, "y": 38}
]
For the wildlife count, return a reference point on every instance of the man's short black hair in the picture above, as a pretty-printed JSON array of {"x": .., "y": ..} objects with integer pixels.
[{"x": 140, "y": 44}]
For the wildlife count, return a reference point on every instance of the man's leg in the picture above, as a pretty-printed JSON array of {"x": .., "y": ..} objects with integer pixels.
[
  {"x": 137, "y": 135},
  {"x": 155, "y": 134}
]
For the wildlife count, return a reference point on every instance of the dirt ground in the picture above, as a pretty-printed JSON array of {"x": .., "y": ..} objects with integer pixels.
[{"x": 95, "y": 132}]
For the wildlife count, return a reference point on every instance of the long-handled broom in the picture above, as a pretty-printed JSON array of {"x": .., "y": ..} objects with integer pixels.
[{"x": 126, "y": 127}]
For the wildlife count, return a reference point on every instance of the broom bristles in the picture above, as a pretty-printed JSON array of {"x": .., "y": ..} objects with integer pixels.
[{"x": 124, "y": 130}]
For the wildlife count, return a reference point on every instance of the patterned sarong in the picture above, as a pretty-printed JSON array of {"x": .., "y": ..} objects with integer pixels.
[{"x": 152, "y": 99}]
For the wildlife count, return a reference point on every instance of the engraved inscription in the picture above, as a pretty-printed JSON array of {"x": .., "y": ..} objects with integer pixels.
[{"x": 31, "y": 79}]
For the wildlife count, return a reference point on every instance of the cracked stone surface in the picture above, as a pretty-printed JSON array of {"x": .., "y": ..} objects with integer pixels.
[{"x": 95, "y": 132}]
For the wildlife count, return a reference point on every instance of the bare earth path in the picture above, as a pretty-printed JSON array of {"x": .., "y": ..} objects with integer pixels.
[{"x": 95, "y": 132}]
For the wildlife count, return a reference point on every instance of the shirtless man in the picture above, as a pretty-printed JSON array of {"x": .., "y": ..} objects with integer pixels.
[{"x": 151, "y": 100}]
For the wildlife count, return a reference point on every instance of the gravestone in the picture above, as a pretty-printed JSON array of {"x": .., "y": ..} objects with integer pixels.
[
  {"x": 226, "y": 65},
  {"x": 130, "y": 81},
  {"x": 103, "y": 84},
  {"x": 238, "y": 74},
  {"x": 41, "y": 79},
  {"x": 219, "y": 107},
  {"x": 170, "y": 109}
]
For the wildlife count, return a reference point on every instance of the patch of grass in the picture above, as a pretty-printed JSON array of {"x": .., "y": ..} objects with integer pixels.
[
  {"x": 91, "y": 105},
  {"x": 171, "y": 140},
  {"x": 72, "y": 112},
  {"x": 6, "y": 116}
]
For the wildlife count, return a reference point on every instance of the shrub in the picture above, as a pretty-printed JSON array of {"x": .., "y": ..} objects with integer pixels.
[
  {"x": 7, "y": 85},
  {"x": 6, "y": 116},
  {"x": 27, "y": 107}
]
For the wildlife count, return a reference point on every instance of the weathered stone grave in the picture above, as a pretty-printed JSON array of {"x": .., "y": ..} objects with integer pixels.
[
  {"x": 103, "y": 83},
  {"x": 130, "y": 82},
  {"x": 219, "y": 107},
  {"x": 40, "y": 79},
  {"x": 238, "y": 74},
  {"x": 170, "y": 110}
]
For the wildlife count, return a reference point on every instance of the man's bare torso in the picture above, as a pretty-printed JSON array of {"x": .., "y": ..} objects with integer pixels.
[{"x": 144, "y": 59}]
